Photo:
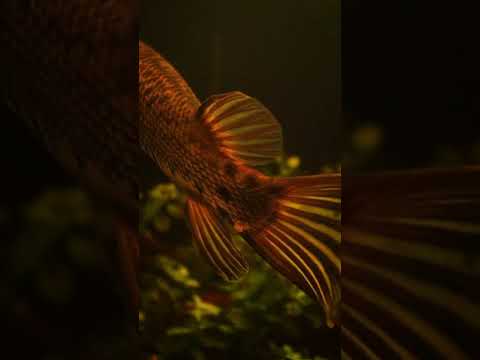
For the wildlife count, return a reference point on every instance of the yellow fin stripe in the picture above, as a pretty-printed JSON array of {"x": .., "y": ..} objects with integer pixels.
[
  {"x": 198, "y": 232},
  {"x": 429, "y": 254},
  {"x": 214, "y": 243},
  {"x": 242, "y": 130},
  {"x": 371, "y": 326},
  {"x": 258, "y": 141},
  {"x": 218, "y": 260},
  {"x": 311, "y": 256},
  {"x": 299, "y": 269},
  {"x": 248, "y": 154},
  {"x": 411, "y": 321},
  {"x": 459, "y": 226},
  {"x": 458, "y": 305},
  {"x": 326, "y": 213},
  {"x": 329, "y": 310},
  {"x": 222, "y": 240},
  {"x": 224, "y": 107},
  {"x": 334, "y": 259},
  {"x": 322, "y": 228},
  {"x": 321, "y": 198},
  {"x": 232, "y": 119},
  {"x": 360, "y": 344}
]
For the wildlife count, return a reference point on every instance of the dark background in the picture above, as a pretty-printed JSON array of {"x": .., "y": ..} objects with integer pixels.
[
  {"x": 408, "y": 71},
  {"x": 285, "y": 53},
  {"x": 412, "y": 69}
]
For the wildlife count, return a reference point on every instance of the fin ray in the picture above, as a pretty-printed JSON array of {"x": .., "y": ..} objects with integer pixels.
[
  {"x": 244, "y": 129},
  {"x": 303, "y": 238},
  {"x": 410, "y": 257},
  {"x": 214, "y": 241}
]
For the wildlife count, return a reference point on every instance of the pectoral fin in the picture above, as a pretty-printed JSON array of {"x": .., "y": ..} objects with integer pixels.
[{"x": 214, "y": 241}]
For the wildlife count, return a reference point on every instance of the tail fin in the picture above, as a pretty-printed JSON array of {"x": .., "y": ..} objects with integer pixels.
[
  {"x": 303, "y": 238},
  {"x": 411, "y": 265}
]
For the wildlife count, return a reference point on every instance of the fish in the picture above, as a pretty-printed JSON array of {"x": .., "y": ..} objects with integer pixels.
[
  {"x": 392, "y": 258},
  {"x": 211, "y": 150}
]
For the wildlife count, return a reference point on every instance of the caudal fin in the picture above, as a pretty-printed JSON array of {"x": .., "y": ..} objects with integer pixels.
[
  {"x": 411, "y": 265},
  {"x": 303, "y": 237}
]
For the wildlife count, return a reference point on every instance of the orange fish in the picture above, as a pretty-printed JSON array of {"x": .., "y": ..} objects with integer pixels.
[
  {"x": 408, "y": 239},
  {"x": 211, "y": 150}
]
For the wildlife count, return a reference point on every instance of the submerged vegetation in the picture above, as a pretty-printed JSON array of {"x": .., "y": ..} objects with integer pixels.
[
  {"x": 187, "y": 310},
  {"x": 61, "y": 259}
]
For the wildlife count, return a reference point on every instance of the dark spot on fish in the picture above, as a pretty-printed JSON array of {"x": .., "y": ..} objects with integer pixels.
[
  {"x": 230, "y": 169},
  {"x": 223, "y": 214},
  {"x": 275, "y": 190},
  {"x": 251, "y": 181},
  {"x": 173, "y": 168},
  {"x": 224, "y": 193},
  {"x": 198, "y": 186}
]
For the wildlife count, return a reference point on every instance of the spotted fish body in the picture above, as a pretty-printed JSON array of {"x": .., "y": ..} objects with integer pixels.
[
  {"x": 393, "y": 225},
  {"x": 211, "y": 150},
  {"x": 186, "y": 150}
]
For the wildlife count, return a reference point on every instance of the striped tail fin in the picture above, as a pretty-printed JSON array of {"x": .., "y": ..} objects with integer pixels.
[
  {"x": 411, "y": 265},
  {"x": 302, "y": 239}
]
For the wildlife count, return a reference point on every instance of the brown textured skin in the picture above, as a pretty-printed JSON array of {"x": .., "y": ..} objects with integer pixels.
[
  {"x": 68, "y": 68},
  {"x": 173, "y": 136}
]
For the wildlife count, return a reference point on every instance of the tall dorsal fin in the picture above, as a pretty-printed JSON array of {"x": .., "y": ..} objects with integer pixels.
[{"x": 246, "y": 131}]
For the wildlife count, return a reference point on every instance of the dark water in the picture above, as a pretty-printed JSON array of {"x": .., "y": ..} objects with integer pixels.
[{"x": 284, "y": 53}]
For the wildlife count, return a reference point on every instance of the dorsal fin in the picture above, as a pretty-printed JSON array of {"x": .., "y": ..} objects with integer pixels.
[{"x": 245, "y": 130}]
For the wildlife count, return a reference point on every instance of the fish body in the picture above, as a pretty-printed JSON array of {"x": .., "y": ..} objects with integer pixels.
[
  {"x": 211, "y": 149},
  {"x": 408, "y": 239},
  {"x": 185, "y": 149}
]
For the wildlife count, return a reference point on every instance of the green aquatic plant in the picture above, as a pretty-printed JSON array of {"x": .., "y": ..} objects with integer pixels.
[{"x": 186, "y": 310}]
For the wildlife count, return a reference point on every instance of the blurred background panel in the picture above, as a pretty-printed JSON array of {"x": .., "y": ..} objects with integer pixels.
[
  {"x": 410, "y": 90},
  {"x": 60, "y": 294}
]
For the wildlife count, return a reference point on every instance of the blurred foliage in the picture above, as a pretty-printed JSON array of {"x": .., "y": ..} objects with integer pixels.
[
  {"x": 367, "y": 150},
  {"x": 59, "y": 291},
  {"x": 62, "y": 253},
  {"x": 63, "y": 244}
]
